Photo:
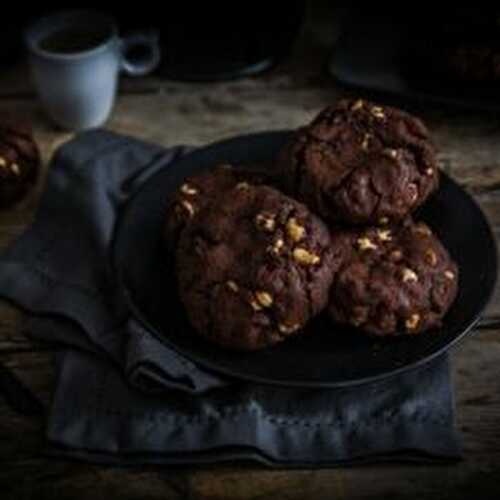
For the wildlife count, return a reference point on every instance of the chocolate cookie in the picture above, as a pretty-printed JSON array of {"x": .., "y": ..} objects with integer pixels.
[
  {"x": 254, "y": 268},
  {"x": 361, "y": 163},
  {"x": 392, "y": 281},
  {"x": 19, "y": 161},
  {"x": 199, "y": 191}
]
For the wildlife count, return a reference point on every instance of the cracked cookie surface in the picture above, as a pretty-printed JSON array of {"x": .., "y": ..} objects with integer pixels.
[
  {"x": 254, "y": 268},
  {"x": 360, "y": 163},
  {"x": 398, "y": 280}
]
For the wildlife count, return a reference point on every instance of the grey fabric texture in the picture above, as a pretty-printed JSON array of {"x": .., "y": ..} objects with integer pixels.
[{"x": 122, "y": 396}]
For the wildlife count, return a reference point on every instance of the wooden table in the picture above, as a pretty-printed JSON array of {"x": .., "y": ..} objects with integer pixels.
[{"x": 171, "y": 113}]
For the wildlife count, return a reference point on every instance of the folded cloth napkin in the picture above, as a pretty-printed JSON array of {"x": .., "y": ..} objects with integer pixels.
[{"x": 122, "y": 396}]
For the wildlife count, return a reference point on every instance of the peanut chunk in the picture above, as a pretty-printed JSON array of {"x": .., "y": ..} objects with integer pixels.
[
  {"x": 357, "y": 105},
  {"x": 449, "y": 275},
  {"x": 232, "y": 285},
  {"x": 188, "y": 207},
  {"x": 409, "y": 275},
  {"x": 265, "y": 222},
  {"x": 303, "y": 256},
  {"x": 378, "y": 112},
  {"x": 294, "y": 230},
  {"x": 431, "y": 257},
  {"x": 255, "y": 305},
  {"x": 391, "y": 153},
  {"x": 412, "y": 322},
  {"x": 265, "y": 299},
  {"x": 283, "y": 328},
  {"x": 276, "y": 247},
  {"x": 188, "y": 189},
  {"x": 366, "y": 244},
  {"x": 384, "y": 235}
]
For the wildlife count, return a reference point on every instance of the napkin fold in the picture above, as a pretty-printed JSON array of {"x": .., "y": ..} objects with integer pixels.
[{"x": 122, "y": 396}]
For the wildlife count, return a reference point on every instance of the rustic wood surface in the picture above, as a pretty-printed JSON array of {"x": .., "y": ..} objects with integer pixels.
[{"x": 170, "y": 113}]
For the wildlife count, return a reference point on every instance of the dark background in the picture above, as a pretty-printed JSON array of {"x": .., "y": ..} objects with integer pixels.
[{"x": 200, "y": 40}]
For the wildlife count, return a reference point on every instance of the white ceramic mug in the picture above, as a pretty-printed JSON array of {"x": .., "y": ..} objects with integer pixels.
[{"x": 76, "y": 57}]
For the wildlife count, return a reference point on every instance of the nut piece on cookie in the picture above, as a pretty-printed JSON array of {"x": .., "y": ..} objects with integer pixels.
[
  {"x": 431, "y": 256},
  {"x": 366, "y": 244},
  {"x": 303, "y": 256},
  {"x": 188, "y": 207},
  {"x": 276, "y": 247},
  {"x": 188, "y": 189},
  {"x": 265, "y": 222},
  {"x": 384, "y": 234},
  {"x": 378, "y": 112},
  {"x": 357, "y": 105},
  {"x": 295, "y": 231},
  {"x": 232, "y": 286},
  {"x": 412, "y": 322},
  {"x": 287, "y": 329},
  {"x": 265, "y": 299},
  {"x": 409, "y": 275}
]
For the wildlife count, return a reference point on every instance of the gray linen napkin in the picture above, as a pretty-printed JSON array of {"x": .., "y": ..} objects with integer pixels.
[{"x": 124, "y": 397}]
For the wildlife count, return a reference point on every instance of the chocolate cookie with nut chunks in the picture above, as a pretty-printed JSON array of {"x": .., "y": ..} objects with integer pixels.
[
  {"x": 361, "y": 163},
  {"x": 254, "y": 268},
  {"x": 19, "y": 161},
  {"x": 199, "y": 191},
  {"x": 392, "y": 281}
]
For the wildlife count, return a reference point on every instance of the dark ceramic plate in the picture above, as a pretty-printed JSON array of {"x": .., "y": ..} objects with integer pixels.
[{"x": 327, "y": 355}]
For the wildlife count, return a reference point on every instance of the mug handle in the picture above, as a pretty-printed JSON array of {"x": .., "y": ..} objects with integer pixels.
[{"x": 144, "y": 65}]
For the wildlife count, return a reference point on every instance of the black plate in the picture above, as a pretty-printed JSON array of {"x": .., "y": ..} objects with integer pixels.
[{"x": 333, "y": 356}]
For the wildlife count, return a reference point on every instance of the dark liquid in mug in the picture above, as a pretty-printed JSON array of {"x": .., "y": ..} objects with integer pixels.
[{"x": 74, "y": 39}]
